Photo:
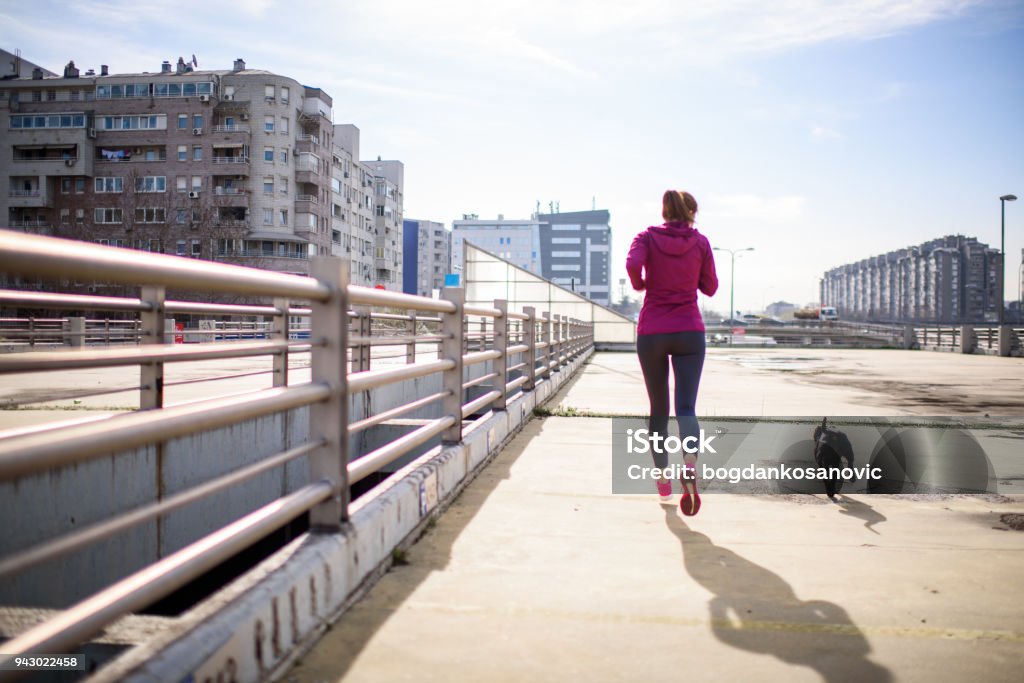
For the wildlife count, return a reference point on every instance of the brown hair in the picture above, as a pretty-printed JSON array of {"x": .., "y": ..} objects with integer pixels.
[{"x": 678, "y": 206}]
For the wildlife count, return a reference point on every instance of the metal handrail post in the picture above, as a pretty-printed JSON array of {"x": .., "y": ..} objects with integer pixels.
[
  {"x": 501, "y": 344},
  {"x": 530, "y": 339},
  {"x": 557, "y": 341},
  {"x": 361, "y": 354},
  {"x": 546, "y": 338},
  {"x": 328, "y": 420},
  {"x": 453, "y": 348},
  {"x": 410, "y": 348},
  {"x": 279, "y": 330},
  {"x": 151, "y": 375}
]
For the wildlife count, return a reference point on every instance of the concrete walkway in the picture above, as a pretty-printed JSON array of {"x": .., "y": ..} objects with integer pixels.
[{"x": 538, "y": 572}]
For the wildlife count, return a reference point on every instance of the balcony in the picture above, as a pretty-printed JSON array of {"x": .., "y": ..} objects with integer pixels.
[
  {"x": 234, "y": 128},
  {"x": 307, "y": 143},
  {"x": 305, "y": 203},
  {"x": 35, "y": 198},
  {"x": 35, "y": 226},
  {"x": 234, "y": 160}
]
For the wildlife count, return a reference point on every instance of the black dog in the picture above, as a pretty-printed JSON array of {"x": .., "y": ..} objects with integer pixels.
[{"x": 832, "y": 449}]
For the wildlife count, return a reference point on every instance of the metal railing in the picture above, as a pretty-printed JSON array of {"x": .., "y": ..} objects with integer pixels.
[{"x": 523, "y": 348}]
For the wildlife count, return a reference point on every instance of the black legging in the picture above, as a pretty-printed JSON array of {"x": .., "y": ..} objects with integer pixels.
[{"x": 687, "y": 352}]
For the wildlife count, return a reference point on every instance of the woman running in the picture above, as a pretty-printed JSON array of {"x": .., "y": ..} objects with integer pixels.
[{"x": 671, "y": 262}]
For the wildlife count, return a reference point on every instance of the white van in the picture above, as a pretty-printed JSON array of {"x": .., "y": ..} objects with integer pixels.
[{"x": 828, "y": 313}]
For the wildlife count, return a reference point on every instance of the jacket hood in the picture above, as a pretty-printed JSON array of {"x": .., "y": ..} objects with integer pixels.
[{"x": 673, "y": 238}]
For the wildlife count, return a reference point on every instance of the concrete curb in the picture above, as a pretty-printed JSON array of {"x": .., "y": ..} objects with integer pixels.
[{"x": 254, "y": 628}]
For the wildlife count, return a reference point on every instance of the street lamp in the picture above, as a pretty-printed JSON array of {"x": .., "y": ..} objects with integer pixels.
[
  {"x": 732, "y": 281},
  {"x": 1002, "y": 252}
]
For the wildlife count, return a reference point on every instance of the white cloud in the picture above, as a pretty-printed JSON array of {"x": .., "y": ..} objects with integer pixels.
[
  {"x": 751, "y": 207},
  {"x": 823, "y": 134}
]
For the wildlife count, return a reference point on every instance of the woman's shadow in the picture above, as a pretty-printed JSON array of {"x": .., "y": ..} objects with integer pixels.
[{"x": 754, "y": 609}]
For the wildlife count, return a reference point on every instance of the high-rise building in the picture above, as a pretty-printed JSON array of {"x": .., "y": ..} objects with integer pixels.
[
  {"x": 574, "y": 252},
  {"x": 570, "y": 249},
  {"x": 947, "y": 280},
  {"x": 515, "y": 240},
  {"x": 427, "y": 256},
  {"x": 242, "y": 165}
]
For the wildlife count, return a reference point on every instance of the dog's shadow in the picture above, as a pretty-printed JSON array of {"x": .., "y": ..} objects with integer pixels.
[
  {"x": 861, "y": 510},
  {"x": 754, "y": 609}
]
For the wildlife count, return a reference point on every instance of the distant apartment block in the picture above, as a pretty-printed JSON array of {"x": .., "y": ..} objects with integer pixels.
[
  {"x": 947, "y": 280},
  {"x": 515, "y": 240},
  {"x": 574, "y": 252},
  {"x": 570, "y": 249},
  {"x": 427, "y": 254},
  {"x": 240, "y": 165}
]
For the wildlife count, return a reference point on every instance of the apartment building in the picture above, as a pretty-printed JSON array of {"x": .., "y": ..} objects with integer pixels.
[
  {"x": 427, "y": 254},
  {"x": 951, "y": 279},
  {"x": 574, "y": 250},
  {"x": 570, "y": 249},
  {"x": 388, "y": 181},
  {"x": 239, "y": 165},
  {"x": 515, "y": 240}
]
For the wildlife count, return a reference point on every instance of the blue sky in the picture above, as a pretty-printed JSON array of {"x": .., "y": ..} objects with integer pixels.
[{"x": 818, "y": 132}]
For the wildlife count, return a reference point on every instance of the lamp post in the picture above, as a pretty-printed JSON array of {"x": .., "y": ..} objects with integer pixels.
[
  {"x": 1002, "y": 253},
  {"x": 732, "y": 282}
]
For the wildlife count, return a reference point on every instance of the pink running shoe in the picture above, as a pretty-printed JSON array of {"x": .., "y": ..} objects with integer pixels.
[{"x": 665, "y": 490}]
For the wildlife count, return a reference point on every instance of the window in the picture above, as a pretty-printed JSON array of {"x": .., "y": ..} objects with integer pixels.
[
  {"x": 283, "y": 214},
  {"x": 51, "y": 95},
  {"x": 75, "y": 95},
  {"x": 197, "y": 152},
  {"x": 181, "y": 216},
  {"x": 182, "y": 121},
  {"x": 37, "y": 95},
  {"x": 565, "y": 266},
  {"x": 182, "y": 152},
  {"x": 283, "y": 156},
  {"x": 79, "y": 215},
  {"x": 197, "y": 120},
  {"x": 268, "y": 185},
  {"x": 268, "y": 154},
  {"x": 65, "y": 185},
  {"x": 180, "y": 248},
  {"x": 268, "y": 123},
  {"x": 197, "y": 249},
  {"x": 284, "y": 185},
  {"x": 229, "y": 91},
  {"x": 150, "y": 215},
  {"x": 268, "y": 216},
  {"x": 565, "y": 240},
  {"x": 565, "y": 254},
  {"x": 197, "y": 183},
  {"x": 65, "y": 216},
  {"x": 284, "y": 126},
  {"x": 181, "y": 183},
  {"x": 108, "y": 185},
  {"x": 79, "y": 185},
  {"x": 284, "y": 94},
  {"x": 143, "y": 122},
  {"x": 151, "y": 183},
  {"x": 107, "y": 215},
  {"x": 268, "y": 92}
]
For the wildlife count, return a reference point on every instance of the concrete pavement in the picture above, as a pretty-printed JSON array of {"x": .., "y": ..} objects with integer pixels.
[{"x": 538, "y": 572}]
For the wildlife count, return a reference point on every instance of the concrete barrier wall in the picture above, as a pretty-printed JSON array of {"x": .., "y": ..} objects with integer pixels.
[
  {"x": 57, "y": 502},
  {"x": 255, "y": 627}
]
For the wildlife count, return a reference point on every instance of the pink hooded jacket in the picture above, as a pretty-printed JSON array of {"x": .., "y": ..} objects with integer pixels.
[{"x": 671, "y": 261}]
